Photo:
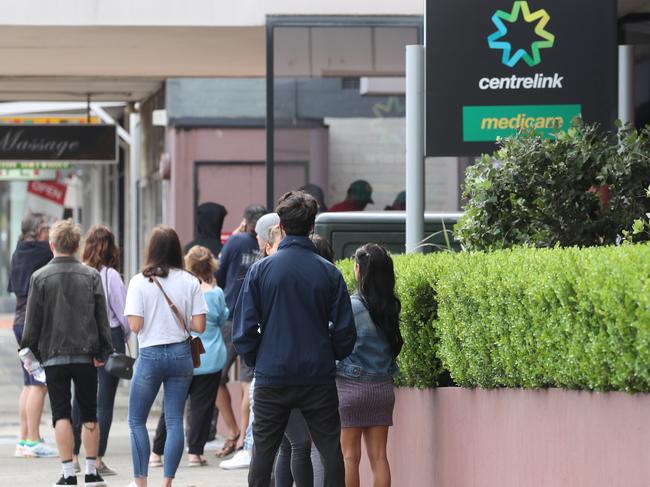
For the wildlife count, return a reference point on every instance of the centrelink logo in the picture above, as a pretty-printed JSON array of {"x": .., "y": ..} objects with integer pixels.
[{"x": 532, "y": 57}]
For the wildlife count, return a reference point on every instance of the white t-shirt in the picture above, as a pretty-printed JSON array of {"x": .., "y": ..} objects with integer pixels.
[{"x": 145, "y": 299}]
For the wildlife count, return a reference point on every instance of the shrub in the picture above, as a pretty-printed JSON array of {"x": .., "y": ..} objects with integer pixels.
[
  {"x": 582, "y": 187},
  {"x": 572, "y": 318}
]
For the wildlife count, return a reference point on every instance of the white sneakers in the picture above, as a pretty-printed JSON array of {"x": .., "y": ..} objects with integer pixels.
[
  {"x": 241, "y": 459},
  {"x": 39, "y": 450}
]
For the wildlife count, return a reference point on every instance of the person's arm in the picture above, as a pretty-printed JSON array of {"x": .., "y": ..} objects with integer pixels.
[
  {"x": 217, "y": 309},
  {"x": 117, "y": 299},
  {"x": 224, "y": 262},
  {"x": 33, "y": 318},
  {"x": 101, "y": 319},
  {"x": 343, "y": 332},
  {"x": 246, "y": 320},
  {"x": 134, "y": 306},
  {"x": 199, "y": 308},
  {"x": 135, "y": 323}
]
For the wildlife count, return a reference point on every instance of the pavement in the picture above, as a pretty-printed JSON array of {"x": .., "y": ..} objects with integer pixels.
[{"x": 45, "y": 472}]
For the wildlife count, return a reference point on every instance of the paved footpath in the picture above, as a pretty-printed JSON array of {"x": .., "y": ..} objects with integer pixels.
[{"x": 17, "y": 472}]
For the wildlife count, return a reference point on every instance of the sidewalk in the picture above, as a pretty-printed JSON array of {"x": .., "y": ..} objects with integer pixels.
[{"x": 17, "y": 472}]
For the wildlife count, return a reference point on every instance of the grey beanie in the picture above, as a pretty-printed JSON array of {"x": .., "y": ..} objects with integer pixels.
[{"x": 265, "y": 223}]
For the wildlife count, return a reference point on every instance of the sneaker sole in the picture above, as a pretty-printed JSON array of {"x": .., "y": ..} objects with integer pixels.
[
  {"x": 107, "y": 474},
  {"x": 235, "y": 467}
]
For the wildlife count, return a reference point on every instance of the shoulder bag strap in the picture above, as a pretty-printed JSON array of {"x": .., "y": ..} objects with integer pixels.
[{"x": 177, "y": 314}]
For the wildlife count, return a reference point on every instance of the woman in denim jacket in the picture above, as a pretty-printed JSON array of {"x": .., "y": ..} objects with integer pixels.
[{"x": 365, "y": 378}]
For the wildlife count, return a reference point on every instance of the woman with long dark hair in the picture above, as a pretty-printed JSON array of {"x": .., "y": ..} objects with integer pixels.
[
  {"x": 165, "y": 356},
  {"x": 101, "y": 253},
  {"x": 203, "y": 389},
  {"x": 365, "y": 378}
]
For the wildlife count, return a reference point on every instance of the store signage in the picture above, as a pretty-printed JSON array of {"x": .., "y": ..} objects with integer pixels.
[
  {"x": 500, "y": 66},
  {"x": 31, "y": 165},
  {"x": 45, "y": 197},
  {"x": 28, "y": 174},
  {"x": 77, "y": 143}
]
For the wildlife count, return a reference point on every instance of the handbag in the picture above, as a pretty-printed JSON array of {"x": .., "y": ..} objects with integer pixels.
[
  {"x": 118, "y": 364},
  {"x": 196, "y": 345}
]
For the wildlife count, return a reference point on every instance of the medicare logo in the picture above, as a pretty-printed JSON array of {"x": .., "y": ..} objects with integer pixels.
[{"x": 520, "y": 10}]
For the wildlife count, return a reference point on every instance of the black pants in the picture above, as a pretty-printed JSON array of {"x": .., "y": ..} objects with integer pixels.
[
  {"x": 202, "y": 394},
  {"x": 106, "y": 390},
  {"x": 319, "y": 404}
]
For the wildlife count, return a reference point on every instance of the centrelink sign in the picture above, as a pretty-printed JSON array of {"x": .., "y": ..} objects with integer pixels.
[{"x": 495, "y": 67}]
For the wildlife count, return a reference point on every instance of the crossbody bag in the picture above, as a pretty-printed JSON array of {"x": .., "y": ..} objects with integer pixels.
[
  {"x": 196, "y": 344},
  {"x": 118, "y": 364}
]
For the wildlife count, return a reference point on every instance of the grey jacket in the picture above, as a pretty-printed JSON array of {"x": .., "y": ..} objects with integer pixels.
[{"x": 66, "y": 312}]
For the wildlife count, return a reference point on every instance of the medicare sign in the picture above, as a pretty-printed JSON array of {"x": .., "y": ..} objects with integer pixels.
[{"x": 495, "y": 67}]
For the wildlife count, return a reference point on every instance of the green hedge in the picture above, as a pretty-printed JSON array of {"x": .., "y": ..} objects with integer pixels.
[{"x": 532, "y": 318}]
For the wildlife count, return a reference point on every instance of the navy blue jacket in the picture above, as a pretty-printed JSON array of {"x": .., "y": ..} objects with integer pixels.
[
  {"x": 239, "y": 253},
  {"x": 293, "y": 318}
]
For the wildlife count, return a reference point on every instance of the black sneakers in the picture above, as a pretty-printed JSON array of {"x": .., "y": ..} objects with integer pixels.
[
  {"x": 66, "y": 481},
  {"x": 92, "y": 481}
]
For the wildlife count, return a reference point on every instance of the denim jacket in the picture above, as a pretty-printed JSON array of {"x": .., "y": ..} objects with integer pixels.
[
  {"x": 372, "y": 358},
  {"x": 66, "y": 312}
]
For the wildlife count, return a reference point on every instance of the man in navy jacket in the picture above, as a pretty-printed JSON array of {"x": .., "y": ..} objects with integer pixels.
[{"x": 292, "y": 321}]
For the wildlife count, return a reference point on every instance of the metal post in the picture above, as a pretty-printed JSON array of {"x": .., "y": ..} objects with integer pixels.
[
  {"x": 626, "y": 84},
  {"x": 270, "y": 121},
  {"x": 133, "y": 201},
  {"x": 414, "y": 148}
]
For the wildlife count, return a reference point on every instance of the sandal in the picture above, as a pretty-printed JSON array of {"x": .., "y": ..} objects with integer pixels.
[
  {"x": 197, "y": 463},
  {"x": 228, "y": 447}
]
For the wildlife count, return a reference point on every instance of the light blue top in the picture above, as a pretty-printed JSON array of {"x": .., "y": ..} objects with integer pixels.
[{"x": 214, "y": 357}]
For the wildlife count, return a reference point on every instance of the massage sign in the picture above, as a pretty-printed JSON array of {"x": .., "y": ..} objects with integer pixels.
[
  {"x": 496, "y": 67},
  {"x": 75, "y": 143}
]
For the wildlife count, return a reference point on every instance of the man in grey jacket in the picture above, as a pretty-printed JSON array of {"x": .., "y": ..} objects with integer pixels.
[{"x": 67, "y": 329}]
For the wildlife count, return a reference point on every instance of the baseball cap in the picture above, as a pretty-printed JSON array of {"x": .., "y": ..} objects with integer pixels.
[{"x": 361, "y": 191}]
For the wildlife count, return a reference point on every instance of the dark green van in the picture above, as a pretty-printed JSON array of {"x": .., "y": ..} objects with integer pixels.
[{"x": 349, "y": 230}]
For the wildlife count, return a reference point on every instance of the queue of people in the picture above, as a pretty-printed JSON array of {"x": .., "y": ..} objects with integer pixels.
[{"x": 316, "y": 368}]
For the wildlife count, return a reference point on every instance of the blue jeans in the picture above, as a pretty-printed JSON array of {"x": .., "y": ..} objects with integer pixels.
[{"x": 171, "y": 366}]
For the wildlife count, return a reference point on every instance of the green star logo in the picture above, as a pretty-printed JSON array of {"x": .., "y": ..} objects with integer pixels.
[{"x": 521, "y": 9}]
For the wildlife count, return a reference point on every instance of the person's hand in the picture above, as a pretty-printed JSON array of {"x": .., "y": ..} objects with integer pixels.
[
  {"x": 241, "y": 228},
  {"x": 98, "y": 363}
]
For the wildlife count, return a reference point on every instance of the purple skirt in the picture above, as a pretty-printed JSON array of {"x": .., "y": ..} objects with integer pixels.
[{"x": 363, "y": 403}]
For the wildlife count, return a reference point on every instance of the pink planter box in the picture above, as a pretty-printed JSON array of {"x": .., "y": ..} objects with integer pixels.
[{"x": 454, "y": 437}]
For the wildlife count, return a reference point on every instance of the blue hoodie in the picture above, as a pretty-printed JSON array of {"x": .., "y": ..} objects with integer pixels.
[
  {"x": 293, "y": 318},
  {"x": 239, "y": 253}
]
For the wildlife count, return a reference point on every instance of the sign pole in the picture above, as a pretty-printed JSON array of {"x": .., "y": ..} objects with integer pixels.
[
  {"x": 414, "y": 148},
  {"x": 626, "y": 84}
]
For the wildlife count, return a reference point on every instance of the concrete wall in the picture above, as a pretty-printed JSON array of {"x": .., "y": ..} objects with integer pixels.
[
  {"x": 374, "y": 149},
  {"x": 454, "y": 437}
]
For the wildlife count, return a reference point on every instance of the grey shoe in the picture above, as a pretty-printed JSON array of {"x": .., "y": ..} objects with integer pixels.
[
  {"x": 106, "y": 471},
  {"x": 77, "y": 468}
]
